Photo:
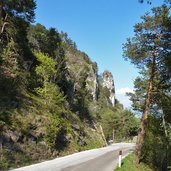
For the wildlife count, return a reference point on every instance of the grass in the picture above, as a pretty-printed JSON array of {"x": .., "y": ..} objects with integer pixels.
[
  {"x": 128, "y": 164},
  {"x": 29, "y": 123}
]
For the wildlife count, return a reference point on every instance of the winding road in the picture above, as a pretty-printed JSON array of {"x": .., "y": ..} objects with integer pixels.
[{"x": 101, "y": 159}]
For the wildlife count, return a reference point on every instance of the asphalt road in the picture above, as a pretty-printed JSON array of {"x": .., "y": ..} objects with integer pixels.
[{"x": 102, "y": 159}]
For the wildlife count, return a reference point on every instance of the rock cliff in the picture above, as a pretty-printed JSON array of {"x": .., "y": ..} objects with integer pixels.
[
  {"x": 108, "y": 82},
  {"x": 83, "y": 73}
]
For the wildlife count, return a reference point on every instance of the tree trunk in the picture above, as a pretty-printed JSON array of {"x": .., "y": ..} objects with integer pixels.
[
  {"x": 103, "y": 136},
  {"x": 113, "y": 135},
  {"x": 144, "y": 119},
  {"x": 166, "y": 160},
  {"x": 3, "y": 20},
  {"x": 164, "y": 123},
  {"x": 1, "y": 17}
]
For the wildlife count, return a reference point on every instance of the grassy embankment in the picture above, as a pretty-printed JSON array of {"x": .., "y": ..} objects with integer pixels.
[{"x": 128, "y": 164}]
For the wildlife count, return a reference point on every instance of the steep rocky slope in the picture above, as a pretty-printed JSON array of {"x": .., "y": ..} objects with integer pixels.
[{"x": 55, "y": 105}]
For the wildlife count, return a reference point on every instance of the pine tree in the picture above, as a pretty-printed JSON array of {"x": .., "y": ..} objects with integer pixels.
[
  {"x": 13, "y": 15},
  {"x": 146, "y": 50}
]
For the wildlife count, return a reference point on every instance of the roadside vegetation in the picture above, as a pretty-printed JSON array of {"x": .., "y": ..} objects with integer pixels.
[{"x": 129, "y": 164}]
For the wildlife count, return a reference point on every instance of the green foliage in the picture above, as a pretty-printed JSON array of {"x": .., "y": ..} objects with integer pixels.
[
  {"x": 50, "y": 43},
  {"x": 53, "y": 128},
  {"x": 93, "y": 140},
  {"x": 49, "y": 91},
  {"x": 24, "y": 10},
  {"x": 109, "y": 121},
  {"x": 123, "y": 123},
  {"x": 129, "y": 163},
  {"x": 138, "y": 98},
  {"x": 47, "y": 67},
  {"x": 46, "y": 41},
  {"x": 148, "y": 36},
  {"x": 15, "y": 16},
  {"x": 37, "y": 38},
  {"x": 11, "y": 59},
  {"x": 103, "y": 96},
  {"x": 157, "y": 156},
  {"x": 4, "y": 162},
  {"x": 12, "y": 160},
  {"x": 158, "y": 127},
  {"x": 68, "y": 43},
  {"x": 51, "y": 95}
]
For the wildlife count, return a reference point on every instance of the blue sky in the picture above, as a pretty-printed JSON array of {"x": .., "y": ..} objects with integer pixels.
[{"x": 99, "y": 28}]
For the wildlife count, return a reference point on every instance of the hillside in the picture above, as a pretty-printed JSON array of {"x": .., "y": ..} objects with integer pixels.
[
  {"x": 43, "y": 116},
  {"x": 53, "y": 101}
]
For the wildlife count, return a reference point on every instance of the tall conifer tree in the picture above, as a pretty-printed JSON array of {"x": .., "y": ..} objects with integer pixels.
[{"x": 147, "y": 49}]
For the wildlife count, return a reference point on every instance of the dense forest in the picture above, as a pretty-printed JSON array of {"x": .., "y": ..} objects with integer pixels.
[{"x": 53, "y": 102}]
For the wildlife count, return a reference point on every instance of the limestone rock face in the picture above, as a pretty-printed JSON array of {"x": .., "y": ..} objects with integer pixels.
[
  {"x": 108, "y": 82},
  {"x": 91, "y": 82},
  {"x": 83, "y": 73}
]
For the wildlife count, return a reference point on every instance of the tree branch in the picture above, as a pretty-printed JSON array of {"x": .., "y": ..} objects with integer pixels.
[{"x": 3, "y": 27}]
